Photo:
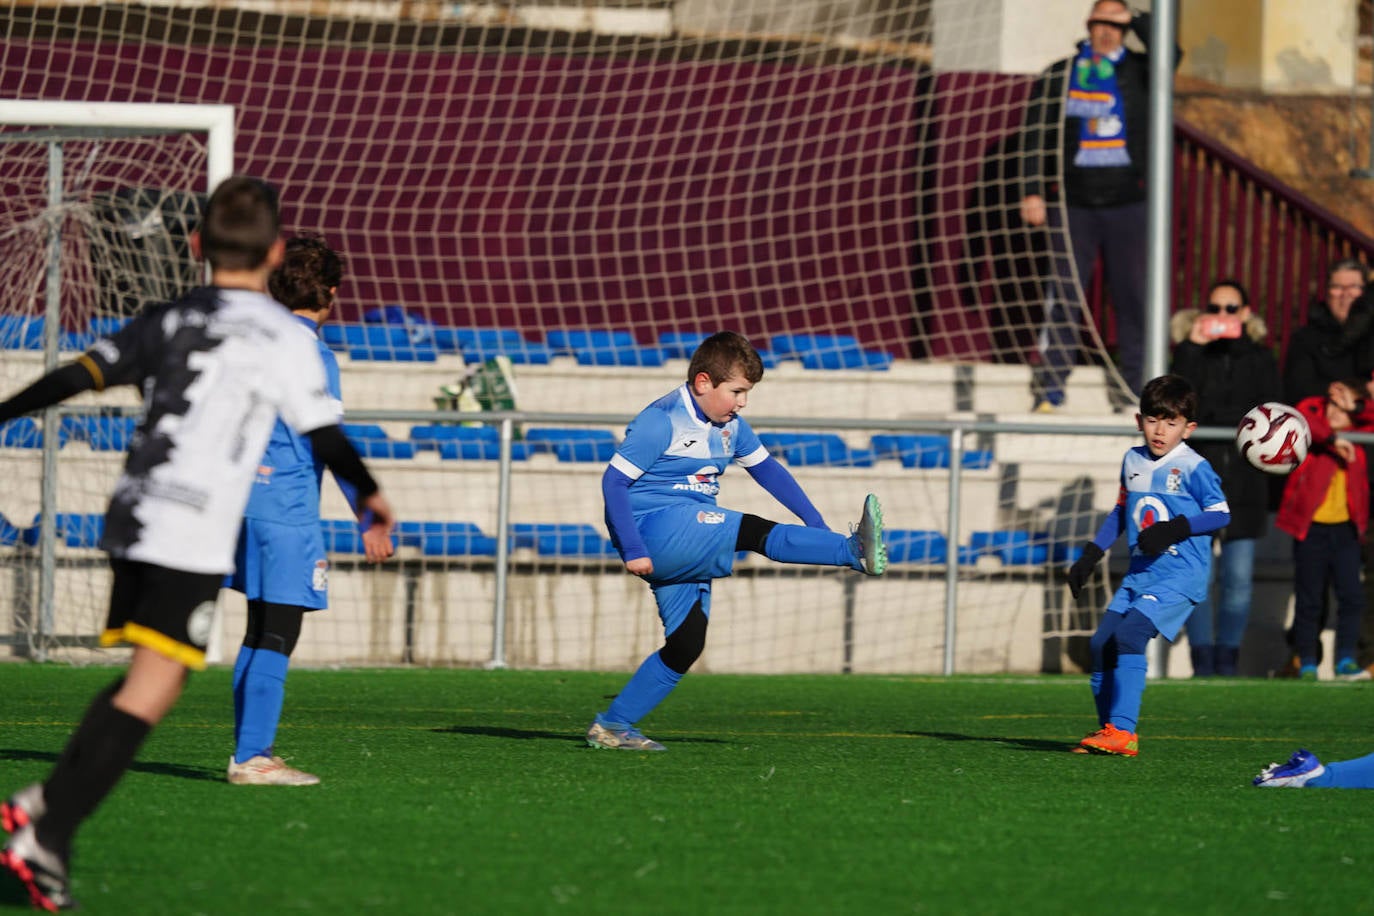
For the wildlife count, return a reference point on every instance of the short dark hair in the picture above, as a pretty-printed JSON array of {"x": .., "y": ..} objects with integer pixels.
[
  {"x": 308, "y": 271},
  {"x": 241, "y": 222},
  {"x": 1234, "y": 284},
  {"x": 1348, "y": 264},
  {"x": 1167, "y": 397},
  {"x": 722, "y": 355}
]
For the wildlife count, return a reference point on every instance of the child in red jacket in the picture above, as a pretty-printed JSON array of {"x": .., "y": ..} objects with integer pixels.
[{"x": 1325, "y": 508}]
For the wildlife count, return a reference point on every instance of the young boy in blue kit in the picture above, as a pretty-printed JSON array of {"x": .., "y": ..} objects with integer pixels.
[
  {"x": 660, "y": 493},
  {"x": 1169, "y": 504},
  {"x": 280, "y": 562}
]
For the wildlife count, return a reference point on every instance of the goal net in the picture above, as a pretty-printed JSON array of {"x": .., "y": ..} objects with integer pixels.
[
  {"x": 587, "y": 191},
  {"x": 100, "y": 199}
]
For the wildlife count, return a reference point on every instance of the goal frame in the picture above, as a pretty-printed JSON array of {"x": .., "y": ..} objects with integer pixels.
[{"x": 58, "y": 122}]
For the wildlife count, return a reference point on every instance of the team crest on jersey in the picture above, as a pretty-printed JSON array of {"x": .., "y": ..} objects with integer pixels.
[
  {"x": 711, "y": 518},
  {"x": 319, "y": 577},
  {"x": 1174, "y": 482},
  {"x": 199, "y": 623}
]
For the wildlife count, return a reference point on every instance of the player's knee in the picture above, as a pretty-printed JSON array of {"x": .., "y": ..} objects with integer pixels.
[
  {"x": 684, "y": 645},
  {"x": 279, "y": 630},
  {"x": 1134, "y": 634},
  {"x": 753, "y": 532}
]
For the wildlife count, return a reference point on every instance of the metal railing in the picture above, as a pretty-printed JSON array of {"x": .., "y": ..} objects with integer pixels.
[{"x": 1232, "y": 219}]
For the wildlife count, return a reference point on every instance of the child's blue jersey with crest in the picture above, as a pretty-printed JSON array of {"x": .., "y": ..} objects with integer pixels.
[
  {"x": 1180, "y": 483},
  {"x": 674, "y": 456}
]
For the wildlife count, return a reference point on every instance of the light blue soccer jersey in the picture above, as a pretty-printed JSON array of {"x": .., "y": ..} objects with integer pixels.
[
  {"x": 1180, "y": 484},
  {"x": 675, "y": 456},
  {"x": 280, "y": 557}
]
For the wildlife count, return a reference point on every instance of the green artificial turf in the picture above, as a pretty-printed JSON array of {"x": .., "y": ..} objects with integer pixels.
[{"x": 472, "y": 791}]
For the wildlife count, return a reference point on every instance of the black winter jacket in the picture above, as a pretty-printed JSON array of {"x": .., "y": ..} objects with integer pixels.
[
  {"x": 1324, "y": 351},
  {"x": 1230, "y": 376}
]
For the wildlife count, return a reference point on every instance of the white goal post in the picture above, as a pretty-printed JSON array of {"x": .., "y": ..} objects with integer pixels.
[
  {"x": 85, "y": 237},
  {"x": 216, "y": 121}
]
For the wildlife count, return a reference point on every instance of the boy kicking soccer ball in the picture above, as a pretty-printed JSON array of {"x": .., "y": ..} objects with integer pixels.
[
  {"x": 1169, "y": 504},
  {"x": 660, "y": 492}
]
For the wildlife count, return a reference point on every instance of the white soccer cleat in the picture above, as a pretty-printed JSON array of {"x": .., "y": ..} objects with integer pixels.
[{"x": 268, "y": 771}]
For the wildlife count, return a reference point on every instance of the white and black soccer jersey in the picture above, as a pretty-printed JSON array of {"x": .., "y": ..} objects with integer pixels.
[{"x": 216, "y": 368}]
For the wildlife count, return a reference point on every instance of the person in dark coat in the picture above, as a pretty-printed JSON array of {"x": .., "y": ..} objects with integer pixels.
[
  {"x": 1232, "y": 374},
  {"x": 1086, "y": 156},
  {"x": 1337, "y": 342}
]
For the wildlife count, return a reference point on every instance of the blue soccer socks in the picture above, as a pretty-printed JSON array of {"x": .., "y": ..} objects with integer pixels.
[
  {"x": 1127, "y": 691},
  {"x": 647, "y": 687},
  {"x": 815, "y": 546},
  {"x": 259, "y": 692}
]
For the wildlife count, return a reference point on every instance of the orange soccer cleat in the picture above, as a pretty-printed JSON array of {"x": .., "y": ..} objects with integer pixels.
[{"x": 1112, "y": 740}]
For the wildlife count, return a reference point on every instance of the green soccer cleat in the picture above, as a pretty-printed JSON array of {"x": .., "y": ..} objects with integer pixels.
[
  {"x": 867, "y": 538},
  {"x": 628, "y": 739}
]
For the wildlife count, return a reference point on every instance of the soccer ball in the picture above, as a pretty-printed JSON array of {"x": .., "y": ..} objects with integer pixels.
[{"x": 1273, "y": 437}]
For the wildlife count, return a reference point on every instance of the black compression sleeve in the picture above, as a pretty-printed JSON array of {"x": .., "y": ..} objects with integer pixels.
[
  {"x": 339, "y": 455},
  {"x": 56, "y": 386}
]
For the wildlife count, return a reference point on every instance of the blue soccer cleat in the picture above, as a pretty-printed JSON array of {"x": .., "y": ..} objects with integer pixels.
[{"x": 1300, "y": 769}]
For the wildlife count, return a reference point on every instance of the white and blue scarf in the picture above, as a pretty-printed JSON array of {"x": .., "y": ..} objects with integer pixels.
[{"x": 1095, "y": 98}]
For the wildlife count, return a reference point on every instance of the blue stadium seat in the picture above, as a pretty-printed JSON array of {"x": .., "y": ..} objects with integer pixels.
[
  {"x": 915, "y": 546},
  {"x": 560, "y": 539},
  {"x": 465, "y": 443},
  {"x": 815, "y": 449},
  {"x": 428, "y": 437},
  {"x": 680, "y": 344},
  {"x": 75, "y": 529},
  {"x": 105, "y": 325},
  {"x": 373, "y": 341},
  {"x": 977, "y": 459},
  {"x": 76, "y": 341},
  {"x": 481, "y": 344},
  {"x": 342, "y": 536},
  {"x": 21, "y": 432},
  {"x": 828, "y": 351},
  {"x": 446, "y": 539},
  {"x": 340, "y": 335},
  {"x": 573, "y": 444},
  {"x": 101, "y": 433},
  {"x": 603, "y": 347},
  {"x": 10, "y": 534},
  {"x": 1013, "y": 548},
  {"x": 914, "y": 451},
  {"x": 21, "y": 332},
  {"x": 371, "y": 441}
]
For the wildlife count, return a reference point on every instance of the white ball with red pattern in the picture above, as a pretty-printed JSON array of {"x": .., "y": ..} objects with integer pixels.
[{"x": 1273, "y": 437}]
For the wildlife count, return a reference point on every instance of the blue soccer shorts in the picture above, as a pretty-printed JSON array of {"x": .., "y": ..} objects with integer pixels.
[{"x": 281, "y": 564}]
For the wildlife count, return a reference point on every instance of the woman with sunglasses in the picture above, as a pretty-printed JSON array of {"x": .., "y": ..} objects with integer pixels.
[{"x": 1221, "y": 349}]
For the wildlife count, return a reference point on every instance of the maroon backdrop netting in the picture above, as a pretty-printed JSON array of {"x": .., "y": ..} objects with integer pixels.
[{"x": 537, "y": 192}]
